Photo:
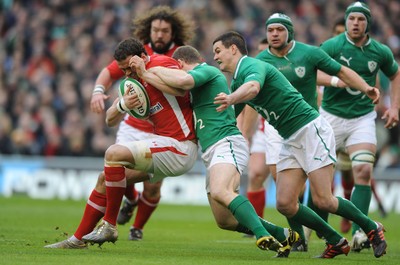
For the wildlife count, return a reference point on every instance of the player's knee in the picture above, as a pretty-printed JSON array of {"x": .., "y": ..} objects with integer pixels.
[
  {"x": 362, "y": 157},
  {"x": 362, "y": 163},
  {"x": 284, "y": 206},
  {"x": 119, "y": 155},
  {"x": 113, "y": 153},
  {"x": 257, "y": 179},
  {"x": 322, "y": 204},
  {"x": 216, "y": 195}
]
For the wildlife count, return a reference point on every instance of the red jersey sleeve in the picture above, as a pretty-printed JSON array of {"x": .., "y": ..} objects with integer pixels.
[{"x": 115, "y": 72}]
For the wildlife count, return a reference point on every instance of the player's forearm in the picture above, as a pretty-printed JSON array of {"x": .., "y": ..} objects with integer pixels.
[
  {"x": 175, "y": 77},
  {"x": 350, "y": 77},
  {"x": 161, "y": 85},
  {"x": 245, "y": 92},
  {"x": 323, "y": 79},
  {"x": 103, "y": 81},
  {"x": 113, "y": 115}
]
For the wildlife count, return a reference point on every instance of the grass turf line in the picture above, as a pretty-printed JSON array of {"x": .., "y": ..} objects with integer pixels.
[{"x": 174, "y": 235}]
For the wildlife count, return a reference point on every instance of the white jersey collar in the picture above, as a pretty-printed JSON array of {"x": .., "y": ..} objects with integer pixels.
[
  {"x": 289, "y": 51},
  {"x": 352, "y": 42},
  {"x": 238, "y": 66}
]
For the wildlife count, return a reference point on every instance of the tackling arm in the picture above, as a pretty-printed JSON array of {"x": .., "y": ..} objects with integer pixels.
[
  {"x": 174, "y": 77},
  {"x": 245, "y": 92},
  {"x": 153, "y": 79}
]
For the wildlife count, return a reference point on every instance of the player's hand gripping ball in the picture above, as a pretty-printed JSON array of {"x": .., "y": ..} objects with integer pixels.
[{"x": 134, "y": 86}]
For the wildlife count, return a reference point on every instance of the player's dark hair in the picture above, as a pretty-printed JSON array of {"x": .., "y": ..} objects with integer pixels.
[
  {"x": 233, "y": 38},
  {"x": 127, "y": 48},
  {"x": 263, "y": 41},
  {"x": 182, "y": 29},
  {"x": 187, "y": 54}
]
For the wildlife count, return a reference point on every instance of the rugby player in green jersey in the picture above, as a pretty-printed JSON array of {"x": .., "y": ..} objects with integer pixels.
[
  {"x": 308, "y": 149},
  {"x": 350, "y": 113},
  {"x": 299, "y": 63},
  {"x": 225, "y": 151}
]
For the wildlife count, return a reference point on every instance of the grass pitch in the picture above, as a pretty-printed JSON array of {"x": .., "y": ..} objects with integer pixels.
[{"x": 174, "y": 235}]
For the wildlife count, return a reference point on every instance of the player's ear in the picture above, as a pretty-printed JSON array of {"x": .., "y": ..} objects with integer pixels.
[
  {"x": 144, "y": 57},
  {"x": 181, "y": 62},
  {"x": 233, "y": 49}
]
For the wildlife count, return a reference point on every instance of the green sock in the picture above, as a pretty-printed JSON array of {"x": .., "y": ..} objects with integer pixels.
[
  {"x": 323, "y": 214},
  {"x": 361, "y": 198},
  {"x": 309, "y": 218},
  {"x": 276, "y": 231},
  {"x": 349, "y": 211},
  {"x": 244, "y": 212},
  {"x": 296, "y": 227}
]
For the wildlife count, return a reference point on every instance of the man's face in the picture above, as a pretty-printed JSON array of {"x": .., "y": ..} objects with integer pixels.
[
  {"x": 124, "y": 66},
  {"x": 160, "y": 35},
  {"x": 277, "y": 36},
  {"x": 223, "y": 56},
  {"x": 356, "y": 24}
]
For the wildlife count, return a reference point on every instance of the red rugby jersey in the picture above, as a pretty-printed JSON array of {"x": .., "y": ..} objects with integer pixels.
[
  {"x": 171, "y": 116},
  {"x": 142, "y": 125}
]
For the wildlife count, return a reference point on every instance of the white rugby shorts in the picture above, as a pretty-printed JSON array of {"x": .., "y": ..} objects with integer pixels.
[
  {"x": 310, "y": 148},
  {"x": 258, "y": 142},
  {"x": 232, "y": 150},
  {"x": 352, "y": 131},
  {"x": 273, "y": 144},
  {"x": 162, "y": 156}
]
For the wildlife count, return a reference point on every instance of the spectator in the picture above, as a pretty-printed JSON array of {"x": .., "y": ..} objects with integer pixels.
[{"x": 43, "y": 41}]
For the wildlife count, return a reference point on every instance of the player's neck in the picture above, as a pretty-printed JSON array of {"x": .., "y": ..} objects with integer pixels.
[
  {"x": 359, "y": 42},
  {"x": 282, "y": 51}
]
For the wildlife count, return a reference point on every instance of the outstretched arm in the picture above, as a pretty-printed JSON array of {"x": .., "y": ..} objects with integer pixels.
[
  {"x": 323, "y": 79},
  {"x": 174, "y": 77},
  {"x": 150, "y": 77},
  {"x": 355, "y": 81},
  {"x": 245, "y": 92}
]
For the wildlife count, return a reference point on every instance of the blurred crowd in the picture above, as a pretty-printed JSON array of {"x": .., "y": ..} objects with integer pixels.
[{"x": 52, "y": 50}]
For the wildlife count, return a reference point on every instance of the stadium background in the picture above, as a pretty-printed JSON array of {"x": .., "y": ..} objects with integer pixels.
[{"x": 51, "y": 51}]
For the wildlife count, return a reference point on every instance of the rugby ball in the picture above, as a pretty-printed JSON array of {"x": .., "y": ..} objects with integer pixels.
[{"x": 134, "y": 86}]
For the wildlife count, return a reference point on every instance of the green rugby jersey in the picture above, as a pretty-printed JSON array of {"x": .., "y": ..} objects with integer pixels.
[
  {"x": 300, "y": 66},
  {"x": 366, "y": 61},
  {"x": 211, "y": 126},
  {"x": 278, "y": 101}
]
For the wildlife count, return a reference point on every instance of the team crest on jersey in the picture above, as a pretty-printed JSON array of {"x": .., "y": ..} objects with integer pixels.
[
  {"x": 372, "y": 66},
  {"x": 300, "y": 71}
]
